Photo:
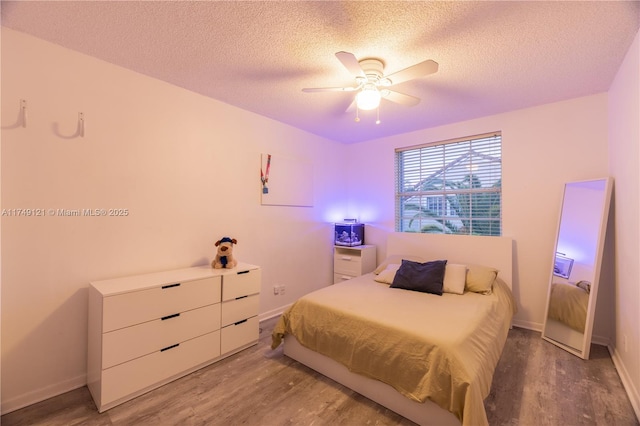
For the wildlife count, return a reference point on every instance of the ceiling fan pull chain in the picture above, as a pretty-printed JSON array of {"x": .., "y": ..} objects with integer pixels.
[{"x": 357, "y": 120}]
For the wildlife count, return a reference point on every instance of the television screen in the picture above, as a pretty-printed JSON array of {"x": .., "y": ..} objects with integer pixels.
[{"x": 562, "y": 266}]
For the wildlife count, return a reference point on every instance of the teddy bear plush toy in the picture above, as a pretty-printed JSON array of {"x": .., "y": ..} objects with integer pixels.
[{"x": 224, "y": 257}]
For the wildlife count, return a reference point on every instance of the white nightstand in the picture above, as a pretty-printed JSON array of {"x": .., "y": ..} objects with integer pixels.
[{"x": 350, "y": 262}]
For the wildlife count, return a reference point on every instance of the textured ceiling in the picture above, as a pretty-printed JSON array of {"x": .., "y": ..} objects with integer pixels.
[{"x": 493, "y": 56}]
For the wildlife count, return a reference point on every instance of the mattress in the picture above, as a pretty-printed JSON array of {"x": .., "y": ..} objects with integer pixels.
[{"x": 442, "y": 348}]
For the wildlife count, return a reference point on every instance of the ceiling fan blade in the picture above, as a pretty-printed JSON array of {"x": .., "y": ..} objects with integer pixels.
[
  {"x": 351, "y": 63},
  {"x": 400, "y": 98},
  {"x": 418, "y": 70},
  {"x": 329, "y": 89},
  {"x": 352, "y": 106}
]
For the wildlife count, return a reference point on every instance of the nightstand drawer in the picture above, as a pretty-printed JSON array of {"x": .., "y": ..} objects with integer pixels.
[
  {"x": 132, "y": 308},
  {"x": 128, "y": 343},
  {"x": 235, "y": 336},
  {"x": 338, "y": 278},
  {"x": 350, "y": 262},
  {"x": 243, "y": 283},
  {"x": 347, "y": 264},
  {"x": 240, "y": 309}
]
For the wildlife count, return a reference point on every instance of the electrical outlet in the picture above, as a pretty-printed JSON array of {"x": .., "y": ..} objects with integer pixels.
[
  {"x": 281, "y": 289},
  {"x": 276, "y": 290}
]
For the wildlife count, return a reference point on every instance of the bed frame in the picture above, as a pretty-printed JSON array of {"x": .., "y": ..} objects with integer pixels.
[{"x": 496, "y": 252}]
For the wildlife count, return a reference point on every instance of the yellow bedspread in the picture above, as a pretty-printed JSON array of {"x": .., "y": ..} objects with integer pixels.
[
  {"x": 444, "y": 348},
  {"x": 568, "y": 304}
]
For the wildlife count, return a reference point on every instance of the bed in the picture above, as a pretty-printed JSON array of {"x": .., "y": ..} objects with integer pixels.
[
  {"x": 568, "y": 304},
  {"x": 428, "y": 357}
]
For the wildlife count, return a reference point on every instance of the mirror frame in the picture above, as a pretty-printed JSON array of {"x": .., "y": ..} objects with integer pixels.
[{"x": 584, "y": 350}]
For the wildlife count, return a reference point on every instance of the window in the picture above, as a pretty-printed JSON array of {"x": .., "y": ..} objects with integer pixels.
[{"x": 451, "y": 187}]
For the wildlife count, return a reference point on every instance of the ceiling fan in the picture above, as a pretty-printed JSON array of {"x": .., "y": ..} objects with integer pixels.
[{"x": 372, "y": 85}]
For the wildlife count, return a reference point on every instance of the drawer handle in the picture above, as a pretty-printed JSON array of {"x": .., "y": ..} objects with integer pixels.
[
  {"x": 346, "y": 257},
  {"x": 243, "y": 272},
  {"x": 241, "y": 297},
  {"x": 240, "y": 322},
  {"x": 169, "y": 317},
  {"x": 171, "y": 285},
  {"x": 170, "y": 347}
]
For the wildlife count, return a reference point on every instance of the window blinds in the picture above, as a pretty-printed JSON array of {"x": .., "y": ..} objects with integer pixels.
[{"x": 450, "y": 187}]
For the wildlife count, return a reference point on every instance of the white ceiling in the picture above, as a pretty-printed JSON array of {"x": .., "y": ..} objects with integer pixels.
[{"x": 493, "y": 56}]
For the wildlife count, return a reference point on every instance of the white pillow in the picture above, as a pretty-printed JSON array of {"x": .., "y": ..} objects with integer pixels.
[
  {"x": 386, "y": 275},
  {"x": 396, "y": 258},
  {"x": 455, "y": 276}
]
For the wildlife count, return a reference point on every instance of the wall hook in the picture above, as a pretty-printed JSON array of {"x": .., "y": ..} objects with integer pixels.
[
  {"x": 81, "y": 124},
  {"x": 23, "y": 112}
]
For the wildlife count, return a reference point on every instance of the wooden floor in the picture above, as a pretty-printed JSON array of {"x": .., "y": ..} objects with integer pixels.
[{"x": 535, "y": 383}]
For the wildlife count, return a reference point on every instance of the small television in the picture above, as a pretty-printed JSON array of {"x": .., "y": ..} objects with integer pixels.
[{"x": 562, "y": 266}]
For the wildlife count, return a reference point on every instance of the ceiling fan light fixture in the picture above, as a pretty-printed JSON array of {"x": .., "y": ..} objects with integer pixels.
[
  {"x": 368, "y": 98},
  {"x": 372, "y": 84}
]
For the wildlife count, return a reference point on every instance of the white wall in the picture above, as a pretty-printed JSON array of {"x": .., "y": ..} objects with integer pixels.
[
  {"x": 185, "y": 166},
  {"x": 0, "y": 241},
  {"x": 543, "y": 147},
  {"x": 624, "y": 162}
]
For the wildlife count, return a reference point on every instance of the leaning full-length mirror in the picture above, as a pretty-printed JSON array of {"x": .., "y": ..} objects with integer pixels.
[{"x": 577, "y": 258}]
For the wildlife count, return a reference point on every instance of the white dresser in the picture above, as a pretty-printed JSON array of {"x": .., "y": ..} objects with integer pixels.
[
  {"x": 349, "y": 262},
  {"x": 147, "y": 330}
]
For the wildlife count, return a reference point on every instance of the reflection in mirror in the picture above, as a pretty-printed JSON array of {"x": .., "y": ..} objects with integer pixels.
[{"x": 577, "y": 259}]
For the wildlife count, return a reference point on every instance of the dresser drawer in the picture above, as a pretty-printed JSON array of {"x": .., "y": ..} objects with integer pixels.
[
  {"x": 127, "y": 343},
  {"x": 235, "y": 336},
  {"x": 132, "y": 308},
  {"x": 239, "y": 309},
  {"x": 141, "y": 373},
  {"x": 243, "y": 283},
  {"x": 347, "y": 264}
]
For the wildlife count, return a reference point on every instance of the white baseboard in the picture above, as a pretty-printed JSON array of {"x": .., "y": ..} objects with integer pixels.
[
  {"x": 600, "y": 340},
  {"x": 632, "y": 392},
  {"x": 29, "y": 398},
  {"x": 629, "y": 387},
  {"x": 528, "y": 325},
  {"x": 273, "y": 313},
  {"x": 39, "y": 395},
  {"x": 535, "y": 326}
]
